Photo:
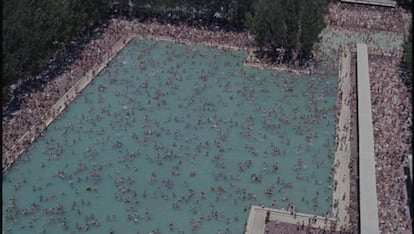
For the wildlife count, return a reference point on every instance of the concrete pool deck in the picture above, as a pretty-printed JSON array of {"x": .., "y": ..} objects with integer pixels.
[{"x": 341, "y": 191}]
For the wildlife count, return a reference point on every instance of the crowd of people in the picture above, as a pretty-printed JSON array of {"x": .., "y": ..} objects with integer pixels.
[
  {"x": 36, "y": 108},
  {"x": 353, "y": 208},
  {"x": 373, "y": 18},
  {"x": 391, "y": 107},
  {"x": 390, "y": 96},
  {"x": 274, "y": 227},
  {"x": 392, "y": 115},
  {"x": 254, "y": 61}
]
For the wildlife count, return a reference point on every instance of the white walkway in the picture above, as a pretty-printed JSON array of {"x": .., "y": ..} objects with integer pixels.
[
  {"x": 386, "y": 3},
  {"x": 367, "y": 178}
]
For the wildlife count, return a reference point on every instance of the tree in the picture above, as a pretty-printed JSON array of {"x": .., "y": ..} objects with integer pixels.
[
  {"x": 31, "y": 28},
  {"x": 293, "y": 25},
  {"x": 237, "y": 10},
  {"x": 311, "y": 24},
  {"x": 257, "y": 22}
]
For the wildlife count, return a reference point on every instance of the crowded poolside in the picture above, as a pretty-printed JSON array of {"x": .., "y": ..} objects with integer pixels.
[
  {"x": 210, "y": 206},
  {"x": 38, "y": 111}
]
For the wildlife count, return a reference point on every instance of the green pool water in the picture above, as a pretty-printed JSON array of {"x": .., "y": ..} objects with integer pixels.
[{"x": 178, "y": 139}]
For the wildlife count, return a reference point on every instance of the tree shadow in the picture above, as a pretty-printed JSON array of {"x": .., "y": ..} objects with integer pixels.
[{"x": 405, "y": 75}]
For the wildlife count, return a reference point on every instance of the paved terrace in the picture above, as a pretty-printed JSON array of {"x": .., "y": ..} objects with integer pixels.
[
  {"x": 385, "y": 3},
  {"x": 367, "y": 177},
  {"x": 257, "y": 217}
]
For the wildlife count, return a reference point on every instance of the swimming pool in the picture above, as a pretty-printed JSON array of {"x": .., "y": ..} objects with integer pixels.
[{"x": 175, "y": 138}]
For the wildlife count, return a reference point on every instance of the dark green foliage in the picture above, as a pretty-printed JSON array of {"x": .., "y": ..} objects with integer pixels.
[
  {"x": 293, "y": 25},
  {"x": 34, "y": 29},
  {"x": 311, "y": 24},
  {"x": 258, "y": 22},
  {"x": 406, "y": 4},
  {"x": 228, "y": 13}
]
